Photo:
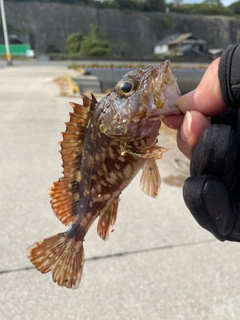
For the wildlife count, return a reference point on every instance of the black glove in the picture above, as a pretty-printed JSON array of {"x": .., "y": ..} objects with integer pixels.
[{"x": 212, "y": 193}]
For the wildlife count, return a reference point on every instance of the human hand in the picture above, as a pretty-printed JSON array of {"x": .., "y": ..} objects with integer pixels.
[
  {"x": 212, "y": 193},
  {"x": 197, "y": 106}
]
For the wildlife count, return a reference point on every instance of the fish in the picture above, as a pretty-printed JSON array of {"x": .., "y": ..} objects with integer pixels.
[{"x": 104, "y": 146}]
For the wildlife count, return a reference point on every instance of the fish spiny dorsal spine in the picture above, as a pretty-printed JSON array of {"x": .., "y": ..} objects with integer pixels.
[{"x": 64, "y": 193}]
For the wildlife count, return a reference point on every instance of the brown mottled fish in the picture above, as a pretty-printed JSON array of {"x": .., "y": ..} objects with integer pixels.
[{"x": 104, "y": 146}]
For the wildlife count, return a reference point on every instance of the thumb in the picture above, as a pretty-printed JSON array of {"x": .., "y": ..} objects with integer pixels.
[{"x": 207, "y": 97}]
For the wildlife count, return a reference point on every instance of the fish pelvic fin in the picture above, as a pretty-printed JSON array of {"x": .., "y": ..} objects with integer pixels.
[
  {"x": 61, "y": 255},
  {"x": 107, "y": 219},
  {"x": 65, "y": 192},
  {"x": 150, "y": 179}
]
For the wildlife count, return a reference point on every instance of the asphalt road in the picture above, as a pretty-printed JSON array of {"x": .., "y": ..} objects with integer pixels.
[{"x": 158, "y": 264}]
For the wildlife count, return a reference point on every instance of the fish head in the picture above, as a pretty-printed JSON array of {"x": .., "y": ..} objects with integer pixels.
[{"x": 139, "y": 98}]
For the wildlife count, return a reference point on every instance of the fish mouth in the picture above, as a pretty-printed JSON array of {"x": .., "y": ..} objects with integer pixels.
[
  {"x": 165, "y": 89},
  {"x": 163, "y": 74}
]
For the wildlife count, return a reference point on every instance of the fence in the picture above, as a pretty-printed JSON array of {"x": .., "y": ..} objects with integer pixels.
[{"x": 15, "y": 49}]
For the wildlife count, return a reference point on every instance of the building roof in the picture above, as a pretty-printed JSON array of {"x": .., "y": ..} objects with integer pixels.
[
  {"x": 216, "y": 51},
  {"x": 167, "y": 39},
  {"x": 186, "y": 48},
  {"x": 179, "y": 38}
]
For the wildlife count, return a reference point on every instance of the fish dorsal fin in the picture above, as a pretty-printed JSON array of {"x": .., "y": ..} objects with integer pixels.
[
  {"x": 150, "y": 179},
  {"x": 107, "y": 219},
  {"x": 64, "y": 193}
]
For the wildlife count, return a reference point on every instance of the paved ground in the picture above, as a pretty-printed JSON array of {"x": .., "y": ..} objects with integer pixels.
[{"x": 158, "y": 264}]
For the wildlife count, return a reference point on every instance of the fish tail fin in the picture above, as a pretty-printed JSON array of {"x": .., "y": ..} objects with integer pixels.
[{"x": 60, "y": 254}]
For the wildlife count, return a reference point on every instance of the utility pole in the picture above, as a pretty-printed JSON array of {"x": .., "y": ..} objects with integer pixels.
[{"x": 5, "y": 33}]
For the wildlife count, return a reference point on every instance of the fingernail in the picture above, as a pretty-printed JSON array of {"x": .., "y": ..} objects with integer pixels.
[
  {"x": 178, "y": 101},
  {"x": 183, "y": 101},
  {"x": 186, "y": 126}
]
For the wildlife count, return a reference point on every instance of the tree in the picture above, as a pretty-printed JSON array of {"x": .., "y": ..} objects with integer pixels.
[
  {"x": 207, "y": 7},
  {"x": 154, "y": 5},
  {"x": 73, "y": 43},
  {"x": 212, "y": 3},
  {"x": 214, "y": 7},
  {"x": 235, "y": 7},
  {"x": 94, "y": 44},
  {"x": 124, "y": 4},
  {"x": 95, "y": 33}
]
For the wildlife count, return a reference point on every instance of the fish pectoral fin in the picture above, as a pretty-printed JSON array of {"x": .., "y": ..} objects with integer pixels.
[
  {"x": 62, "y": 255},
  {"x": 149, "y": 152},
  {"x": 153, "y": 152},
  {"x": 150, "y": 179},
  {"x": 107, "y": 219}
]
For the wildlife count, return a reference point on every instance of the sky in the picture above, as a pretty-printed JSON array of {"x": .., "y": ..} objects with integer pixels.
[{"x": 224, "y": 2}]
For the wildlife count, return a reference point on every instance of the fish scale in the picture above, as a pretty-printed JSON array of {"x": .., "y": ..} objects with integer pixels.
[{"x": 104, "y": 146}]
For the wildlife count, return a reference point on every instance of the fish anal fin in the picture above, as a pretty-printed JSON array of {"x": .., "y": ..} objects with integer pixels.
[
  {"x": 64, "y": 200},
  {"x": 62, "y": 255},
  {"x": 107, "y": 219},
  {"x": 150, "y": 179}
]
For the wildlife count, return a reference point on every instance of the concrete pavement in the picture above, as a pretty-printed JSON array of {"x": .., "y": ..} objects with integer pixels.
[{"x": 157, "y": 264}]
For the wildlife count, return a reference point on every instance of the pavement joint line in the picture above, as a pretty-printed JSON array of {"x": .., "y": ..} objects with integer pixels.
[
  {"x": 166, "y": 247},
  {"x": 121, "y": 254}
]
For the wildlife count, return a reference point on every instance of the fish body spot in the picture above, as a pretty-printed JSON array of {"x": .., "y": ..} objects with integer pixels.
[
  {"x": 117, "y": 166},
  {"x": 76, "y": 196},
  {"x": 78, "y": 176},
  {"x": 86, "y": 192},
  {"x": 121, "y": 158},
  {"x": 127, "y": 171},
  {"x": 103, "y": 183},
  {"x": 97, "y": 157},
  {"x": 111, "y": 153},
  {"x": 104, "y": 167},
  {"x": 98, "y": 187},
  {"x": 100, "y": 172}
]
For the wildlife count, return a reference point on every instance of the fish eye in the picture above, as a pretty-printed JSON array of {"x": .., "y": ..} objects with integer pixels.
[{"x": 127, "y": 87}]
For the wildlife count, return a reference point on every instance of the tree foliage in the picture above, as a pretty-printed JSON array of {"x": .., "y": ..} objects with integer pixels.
[
  {"x": 73, "y": 43},
  {"x": 131, "y": 5},
  {"x": 235, "y": 7},
  {"x": 92, "y": 45},
  {"x": 137, "y": 5},
  {"x": 154, "y": 5},
  {"x": 207, "y": 7}
]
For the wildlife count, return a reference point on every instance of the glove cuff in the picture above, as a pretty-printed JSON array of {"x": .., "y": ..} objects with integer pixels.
[{"x": 229, "y": 76}]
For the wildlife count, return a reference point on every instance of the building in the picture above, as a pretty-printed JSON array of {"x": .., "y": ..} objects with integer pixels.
[{"x": 174, "y": 43}]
